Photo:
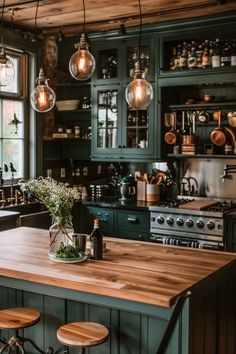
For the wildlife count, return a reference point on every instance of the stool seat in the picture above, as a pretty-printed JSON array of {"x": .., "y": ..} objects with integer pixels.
[
  {"x": 18, "y": 317},
  {"x": 82, "y": 334}
]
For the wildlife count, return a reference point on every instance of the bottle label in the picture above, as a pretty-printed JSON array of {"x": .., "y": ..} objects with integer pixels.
[
  {"x": 183, "y": 62},
  {"x": 205, "y": 61},
  {"x": 225, "y": 61},
  {"x": 176, "y": 63},
  {"x": 192, "y": 62},
  {"x": 233, "y": 60},
  {"x": 216, "y": 61}
]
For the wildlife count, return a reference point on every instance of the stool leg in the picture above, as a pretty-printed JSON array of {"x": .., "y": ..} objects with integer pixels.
[
  {"x": 14, "y": 341},
  {"x": 82, "y": 351}
]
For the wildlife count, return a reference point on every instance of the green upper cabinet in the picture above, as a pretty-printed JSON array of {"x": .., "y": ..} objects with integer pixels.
[{"x": 118, "y": 131}]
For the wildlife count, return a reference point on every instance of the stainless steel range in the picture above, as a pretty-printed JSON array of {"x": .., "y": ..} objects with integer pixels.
[{"x": 173, "y": 224}]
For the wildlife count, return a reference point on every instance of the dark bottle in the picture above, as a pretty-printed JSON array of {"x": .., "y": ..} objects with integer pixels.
[
  {"x": 199, "y": 53},
  {"x": 96, "y": 241},
  {"x": 183, "y": 57},
  {"x": 211, "y": 51},
  {"x": 173, "y": 58},
  {"x": 192, "y": 57},
  {"x": 216, "y": 54},
  {"x": 233, "y": 54},
  {"x": 226, "y": 55},
  {"x": 206, "y": 55},
  {"x": 177, "y": 59}
]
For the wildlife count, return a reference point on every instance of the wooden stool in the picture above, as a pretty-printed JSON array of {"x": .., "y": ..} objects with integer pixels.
[
  {"x": 82, "y": 334},
  {"x": 14, "y": 319}
]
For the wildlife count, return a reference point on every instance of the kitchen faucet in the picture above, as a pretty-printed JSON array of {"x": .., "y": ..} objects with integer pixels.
[
  {"x": 193, "y": 189},
  {"x": 228, "y": 171},
  {"x": 183, "y": 191}
]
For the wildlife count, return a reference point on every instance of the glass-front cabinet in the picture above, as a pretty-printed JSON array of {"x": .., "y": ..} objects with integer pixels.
[
  {"x": 120, "y": 132},
  {"x": 107, "y": 118}
]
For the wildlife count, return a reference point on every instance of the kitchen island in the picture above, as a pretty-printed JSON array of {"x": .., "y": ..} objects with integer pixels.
[{"x": 133, "y": 291}]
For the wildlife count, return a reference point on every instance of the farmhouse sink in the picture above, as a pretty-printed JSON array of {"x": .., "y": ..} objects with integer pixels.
[{"x": 32, "y": 215}]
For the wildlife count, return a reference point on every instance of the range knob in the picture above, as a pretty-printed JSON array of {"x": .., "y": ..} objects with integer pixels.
[
  {"x": 170, "y": 221},
  {"x": 210, "y": 225},
  {"x": 180, "y": 222},
  {"x": 160, "y": 220},
  {"x": 189, "y": 223},
  {"x": 200, "y": 224}
]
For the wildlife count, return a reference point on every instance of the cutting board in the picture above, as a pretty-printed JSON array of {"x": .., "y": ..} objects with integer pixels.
[{"x": 198, "y": 204}]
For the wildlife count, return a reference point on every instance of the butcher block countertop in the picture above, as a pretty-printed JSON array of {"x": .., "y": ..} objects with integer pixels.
[{"x": 135, "y": 271}]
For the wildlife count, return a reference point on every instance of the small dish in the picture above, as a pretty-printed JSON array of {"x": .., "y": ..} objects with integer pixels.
[{"x": 82, "y": 258}]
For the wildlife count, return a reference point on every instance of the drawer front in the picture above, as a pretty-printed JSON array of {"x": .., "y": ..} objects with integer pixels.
[
  {"x": 134, "y": 220},
  {"x": 106, "y": 218},
  {"x": 132, "y": 235}
]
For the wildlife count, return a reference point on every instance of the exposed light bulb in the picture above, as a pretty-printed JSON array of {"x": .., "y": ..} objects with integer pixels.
[
  {"x": 82, "y": 63},
  {"x": 139, "y": 92},
  {"x": 42, "y": 98},
  {"x": 7, "y": 70}
]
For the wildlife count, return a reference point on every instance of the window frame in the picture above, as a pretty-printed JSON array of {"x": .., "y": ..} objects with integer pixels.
[{"x": 22, "y": 95}]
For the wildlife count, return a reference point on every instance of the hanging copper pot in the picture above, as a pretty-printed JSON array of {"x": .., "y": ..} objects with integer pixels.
[
  {"x": 219, "y": 135},
  {"x": 172, "y": 135}
]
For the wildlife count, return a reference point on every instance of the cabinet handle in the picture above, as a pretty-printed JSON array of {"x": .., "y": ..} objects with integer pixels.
[
  {"x": 140, "y": 237},
  {"x": 132, "y": 220}
]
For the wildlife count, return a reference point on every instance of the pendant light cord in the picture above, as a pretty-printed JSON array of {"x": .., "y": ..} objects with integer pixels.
[
  {"x": 84, "y": 16},
  {"x": 140, "y": 30},
  {"x": 36, "y": 16}
]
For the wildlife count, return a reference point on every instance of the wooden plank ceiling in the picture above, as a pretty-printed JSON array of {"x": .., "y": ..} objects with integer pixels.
[{"x": 67, "y": 15}]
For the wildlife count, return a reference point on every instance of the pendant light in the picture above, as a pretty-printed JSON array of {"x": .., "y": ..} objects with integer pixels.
[
  {"x": 139, "y": 92},
  {"x": 7, "y": 70},
  {"x": 82, "y": 63},
  {"x": 42, "y": 98}
]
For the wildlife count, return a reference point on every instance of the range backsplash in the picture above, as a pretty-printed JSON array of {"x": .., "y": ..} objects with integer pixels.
[{"x": 207, "y": 173}]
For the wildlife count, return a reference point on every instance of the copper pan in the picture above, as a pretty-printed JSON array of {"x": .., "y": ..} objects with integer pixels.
[
  {"x": 219, "y": 135},
  {"x": 172, "y": 135}
]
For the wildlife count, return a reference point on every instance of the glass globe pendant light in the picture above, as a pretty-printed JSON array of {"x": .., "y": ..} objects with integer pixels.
[
  {"x": 82, "y": 63},
  {"x": 42, "y": 98},
  {"x": 139, "y": 92},
  {"x": 7, "y": 70}
]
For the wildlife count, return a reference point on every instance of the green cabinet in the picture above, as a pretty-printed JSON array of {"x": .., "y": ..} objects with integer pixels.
[
  {"x": 105, "y": 216},
  {"x": 115, "y": 222},
  {"x": 132, "y": 224},
  {"x": 119, "y": 132},
  {"x": 230, "y": 232}
]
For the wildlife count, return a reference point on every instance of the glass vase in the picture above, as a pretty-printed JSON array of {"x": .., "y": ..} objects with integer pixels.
[{"x": 60, "y": 232}]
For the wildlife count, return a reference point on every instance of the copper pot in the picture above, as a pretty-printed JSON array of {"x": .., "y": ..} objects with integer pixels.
[
  {"x": 189, "y": 139},
  {"x": 219, "y": 136},
  {"x": 172, "y": 135}
]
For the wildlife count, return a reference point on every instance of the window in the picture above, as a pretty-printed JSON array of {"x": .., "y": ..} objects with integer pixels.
[{"x": 13, "y": 120}]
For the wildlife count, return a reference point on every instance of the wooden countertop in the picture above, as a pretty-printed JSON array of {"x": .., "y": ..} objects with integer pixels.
[{"x": 136, "y": 271}]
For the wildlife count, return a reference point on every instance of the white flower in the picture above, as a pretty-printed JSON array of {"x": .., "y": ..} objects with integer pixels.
[{"x": 58, "y": 197}]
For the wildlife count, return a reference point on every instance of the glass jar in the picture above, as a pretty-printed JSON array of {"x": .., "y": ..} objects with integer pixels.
[{"x": 61, "y": 231}]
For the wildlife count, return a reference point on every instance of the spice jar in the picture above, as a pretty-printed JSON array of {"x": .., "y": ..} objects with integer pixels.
[{"x": 77, "y": 131}]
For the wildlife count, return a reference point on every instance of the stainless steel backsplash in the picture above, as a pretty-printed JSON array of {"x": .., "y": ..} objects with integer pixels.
[{"x": 207, "y": 173}]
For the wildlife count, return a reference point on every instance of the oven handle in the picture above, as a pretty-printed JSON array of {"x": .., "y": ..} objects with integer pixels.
[{"x": 167, "y": 240}]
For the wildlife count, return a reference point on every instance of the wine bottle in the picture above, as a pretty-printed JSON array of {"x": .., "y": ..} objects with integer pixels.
[
  {"x": 216, "y": 54},
  {"x": 96, "y": 241}
]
